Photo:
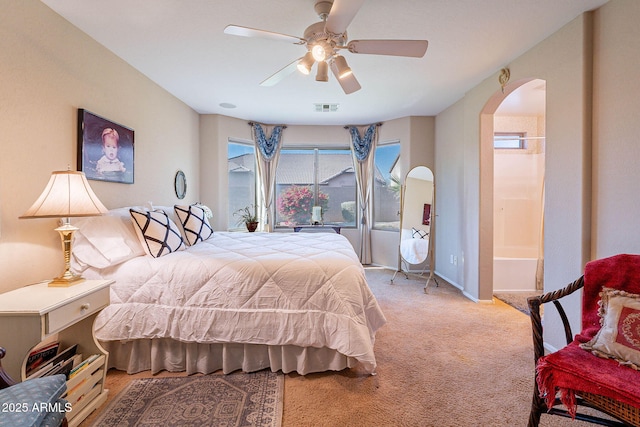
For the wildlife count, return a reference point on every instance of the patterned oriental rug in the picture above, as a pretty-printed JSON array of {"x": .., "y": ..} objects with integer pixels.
[{"x": 242, "y": 399}]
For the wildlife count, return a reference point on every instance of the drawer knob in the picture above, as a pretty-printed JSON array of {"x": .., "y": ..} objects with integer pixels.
[{"x": 84, "y": 307}]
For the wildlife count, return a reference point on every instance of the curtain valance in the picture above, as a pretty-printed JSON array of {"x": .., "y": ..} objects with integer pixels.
[{"x": 267, "y": 139}]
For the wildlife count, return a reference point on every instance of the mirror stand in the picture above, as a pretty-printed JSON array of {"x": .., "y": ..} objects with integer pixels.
[
  {"x": 406, "y": 271},
  {"x": 416, "y": 224}
]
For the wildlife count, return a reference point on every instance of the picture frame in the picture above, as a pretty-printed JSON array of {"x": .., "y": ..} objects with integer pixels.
[
  {"x": 426, "y": 214},
  {"x": 105, "y": 149}
]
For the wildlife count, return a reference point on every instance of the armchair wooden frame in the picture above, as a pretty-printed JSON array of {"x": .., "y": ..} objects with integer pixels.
[
  {"x": 5, "y": 379},
  {"x": 626, "y": 414}
]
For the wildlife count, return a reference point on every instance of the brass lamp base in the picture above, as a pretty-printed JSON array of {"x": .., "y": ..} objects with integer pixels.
[
  {"x": 68, "y": 278},
  {"x": 65, "y": 282}
]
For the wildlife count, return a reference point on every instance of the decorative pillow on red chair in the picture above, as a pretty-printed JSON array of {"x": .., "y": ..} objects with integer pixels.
[
  {"x": 572, "y": 368},
  {"x": 619, "y": 337}
]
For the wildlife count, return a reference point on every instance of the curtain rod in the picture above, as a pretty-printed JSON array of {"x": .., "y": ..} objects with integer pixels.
[
  {"x": 348, "y": 126},
  {"x": 264, "y": 124}
]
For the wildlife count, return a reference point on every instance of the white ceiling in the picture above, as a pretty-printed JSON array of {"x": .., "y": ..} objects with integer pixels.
[{"x": 180, "y": 45}]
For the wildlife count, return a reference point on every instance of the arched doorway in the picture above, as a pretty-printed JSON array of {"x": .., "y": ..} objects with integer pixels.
[{"x": 511, "y": 185}]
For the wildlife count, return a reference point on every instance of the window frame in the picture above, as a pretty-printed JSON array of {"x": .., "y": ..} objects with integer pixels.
[
  {"x": 316, "y": 185},
  {"x": 374, "y": 226},
  {"x": 230, "y": 219},
  {"x": 521, "y": 137}
]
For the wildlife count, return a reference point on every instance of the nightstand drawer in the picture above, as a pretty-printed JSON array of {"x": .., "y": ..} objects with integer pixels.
[{"x": 73, "y": 311}]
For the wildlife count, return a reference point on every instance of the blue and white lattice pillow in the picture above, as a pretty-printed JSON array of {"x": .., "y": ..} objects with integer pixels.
[
  {"x": 194, "y": 222},
  {"x": 158, "y": 234}
]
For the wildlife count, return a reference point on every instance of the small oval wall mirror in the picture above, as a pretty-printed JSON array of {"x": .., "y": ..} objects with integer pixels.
[{"x": 180, "y": 185}]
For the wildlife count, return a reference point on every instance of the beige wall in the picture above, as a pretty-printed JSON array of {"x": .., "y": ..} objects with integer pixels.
[
  {"x": 560, "y": 60},
  {"x": 592, "y": 131},
  {"x": 49, "y": 69},
  {"x": 616, "y": 130}
]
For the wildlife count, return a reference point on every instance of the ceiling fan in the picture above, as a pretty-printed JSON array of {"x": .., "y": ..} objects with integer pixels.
[{"x": 325, "y": 39}]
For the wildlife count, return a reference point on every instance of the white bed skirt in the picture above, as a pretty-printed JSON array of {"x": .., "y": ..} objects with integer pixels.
[{"x": 175, "y": 356}]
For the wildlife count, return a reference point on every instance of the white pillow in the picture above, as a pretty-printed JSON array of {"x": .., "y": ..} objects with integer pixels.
[
  {"x": 158, "y": 234},
  {"x": 194, "y": 222},
  {"x": 104, "y": 241}
]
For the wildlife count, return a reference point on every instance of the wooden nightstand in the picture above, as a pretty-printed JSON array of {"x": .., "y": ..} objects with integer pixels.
[{"x": 37, "y": 313}]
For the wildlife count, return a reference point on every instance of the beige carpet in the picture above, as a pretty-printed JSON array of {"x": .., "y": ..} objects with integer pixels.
[{"x": 443, "y": 361}]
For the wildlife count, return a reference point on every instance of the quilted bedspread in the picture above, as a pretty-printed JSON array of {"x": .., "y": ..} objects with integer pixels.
[{"x": 303, "y": 289}]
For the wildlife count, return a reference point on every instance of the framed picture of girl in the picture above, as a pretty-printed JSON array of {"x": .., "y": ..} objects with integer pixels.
[{"x": 105, "y": 149}]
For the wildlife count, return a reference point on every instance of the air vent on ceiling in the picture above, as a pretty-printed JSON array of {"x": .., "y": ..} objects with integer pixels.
[{"x": 326, "y": 108}]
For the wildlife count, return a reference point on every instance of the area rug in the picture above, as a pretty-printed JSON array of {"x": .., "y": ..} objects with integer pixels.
[{"x": 239, "y": 400}]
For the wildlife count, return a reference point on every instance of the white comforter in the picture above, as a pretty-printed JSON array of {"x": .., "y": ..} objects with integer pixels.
[{"x": 303, "y": 289}]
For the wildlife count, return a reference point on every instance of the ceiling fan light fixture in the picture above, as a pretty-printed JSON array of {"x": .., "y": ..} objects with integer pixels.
[
  {"x": 322, "y": 75},
  {"x": 319, "y": 51},
  {"x": 343, "y": 68},
  {"x": 305, "y": 64}
]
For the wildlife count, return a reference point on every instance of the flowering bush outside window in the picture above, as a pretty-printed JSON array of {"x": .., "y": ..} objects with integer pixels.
[{"x": 295, "y": 204}]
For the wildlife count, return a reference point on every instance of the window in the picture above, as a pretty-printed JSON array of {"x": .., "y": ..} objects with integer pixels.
[
  {"x": 386, "y": 188},
  {"x": 241, "y": 171},
  {"x": 315, "y": 177},
  {"x": 509, "y": 140}
]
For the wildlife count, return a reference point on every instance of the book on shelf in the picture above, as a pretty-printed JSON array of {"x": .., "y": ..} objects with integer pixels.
[
  {"x": 57, "y": 363},
  {"x": 82, "y": 365},
  {"x": 63, "y": 368},
  {"x": 41, "y": 355}
]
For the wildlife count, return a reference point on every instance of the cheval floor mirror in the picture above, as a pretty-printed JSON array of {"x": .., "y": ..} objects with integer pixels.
[{"x": 417, "y": 224}]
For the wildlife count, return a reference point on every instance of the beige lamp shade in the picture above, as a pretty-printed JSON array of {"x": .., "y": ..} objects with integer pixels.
[{"x": 67, "y": 194}]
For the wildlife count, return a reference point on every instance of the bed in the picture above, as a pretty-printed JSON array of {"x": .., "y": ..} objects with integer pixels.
[{"x": 295, "y": 302}]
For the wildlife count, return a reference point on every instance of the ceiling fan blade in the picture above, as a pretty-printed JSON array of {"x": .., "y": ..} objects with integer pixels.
[
  {"x": 412, "y": 48},
  {"x": 341, "y": 14},
  {"x": 281, "y": 74},
  {"x": 348, "y": 83},
  {"x": 237, "y": 30}
]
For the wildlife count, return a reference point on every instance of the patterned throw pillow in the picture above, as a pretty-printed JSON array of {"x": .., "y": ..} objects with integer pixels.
[
  {"x": 194, "y": 222},
  {"x": 418, "y": 234},
  {"x": 619, "y": 336},
  {"x": 158, "y": 234}
]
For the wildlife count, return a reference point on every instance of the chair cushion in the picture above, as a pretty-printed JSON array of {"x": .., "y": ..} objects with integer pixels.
[
  {"x": 573, "y": 369},
  {"x": 27, "y": 403},
  {"x": 53, "y": 419}
]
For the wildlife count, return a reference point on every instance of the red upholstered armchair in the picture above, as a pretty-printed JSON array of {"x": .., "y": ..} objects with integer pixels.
[{"x": 575, "y": 376}]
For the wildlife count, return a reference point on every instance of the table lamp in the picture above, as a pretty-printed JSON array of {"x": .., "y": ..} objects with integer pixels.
[{"x": 67, "y": 195}]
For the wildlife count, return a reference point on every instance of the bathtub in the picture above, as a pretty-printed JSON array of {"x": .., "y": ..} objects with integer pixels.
[{"x": 514, "y": 274}]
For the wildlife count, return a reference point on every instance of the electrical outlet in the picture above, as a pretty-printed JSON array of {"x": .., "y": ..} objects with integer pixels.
[{"x": 455, "y": 260}]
